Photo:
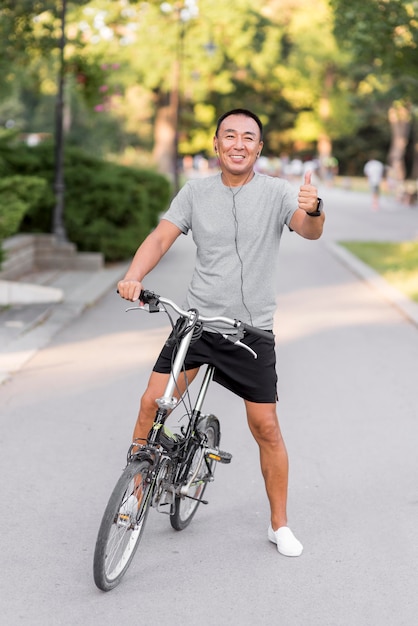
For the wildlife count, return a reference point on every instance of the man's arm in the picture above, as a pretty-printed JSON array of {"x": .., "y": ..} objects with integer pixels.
[
  {"x": 146, "y": 258},
  {"x": 307, "y": 226}
]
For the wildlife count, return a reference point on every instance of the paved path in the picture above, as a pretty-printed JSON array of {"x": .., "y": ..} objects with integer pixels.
[
  {"x": 26, "y": 329},
  {"x": 348, "y": 402}
]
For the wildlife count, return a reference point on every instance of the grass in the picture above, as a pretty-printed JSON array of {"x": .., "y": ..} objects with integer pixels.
[{"x": 395, "y": 262}]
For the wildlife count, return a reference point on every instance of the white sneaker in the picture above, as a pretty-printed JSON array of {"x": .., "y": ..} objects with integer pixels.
[
  {"x": 286, "y": 542},
  {"x": 128, "y": 511}
]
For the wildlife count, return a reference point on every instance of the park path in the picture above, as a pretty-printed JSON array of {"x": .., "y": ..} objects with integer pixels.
[{"x": 347, "y": 361}]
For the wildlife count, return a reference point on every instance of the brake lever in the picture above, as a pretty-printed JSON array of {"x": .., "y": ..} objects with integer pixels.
[
  {"x": 148, "y": 307},
  {"x": 240, "y": 344}
]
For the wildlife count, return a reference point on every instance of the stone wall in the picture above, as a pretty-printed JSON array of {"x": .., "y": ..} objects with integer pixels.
[{"x": 27, "y": 253}]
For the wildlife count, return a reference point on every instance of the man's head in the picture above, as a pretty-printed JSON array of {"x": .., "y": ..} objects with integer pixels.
[
  {"x": 238, "y": 143},
  {"x": 245, "y": 113}
]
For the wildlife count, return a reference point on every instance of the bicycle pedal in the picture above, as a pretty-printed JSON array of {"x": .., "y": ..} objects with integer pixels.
[
  {"x": 219, "y": 455},
  {"x": 123, "y": 520}
]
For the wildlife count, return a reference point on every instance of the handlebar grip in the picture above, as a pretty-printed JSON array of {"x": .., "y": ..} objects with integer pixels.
[
  {"x": 148, "y": 297},
  {"x": 258, "y": 332}
]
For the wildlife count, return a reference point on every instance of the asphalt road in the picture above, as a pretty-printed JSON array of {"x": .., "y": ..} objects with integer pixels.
[{"x": 347, "y": 362}]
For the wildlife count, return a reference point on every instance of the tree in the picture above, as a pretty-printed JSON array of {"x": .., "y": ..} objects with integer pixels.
[
  {"x": 195, "y": 65},
  {"x": 313, "y": 70},
  {"x": 275, "y": 58},
  {"x": 384, "y": 43},
  {"x": 130, "y": 67}
]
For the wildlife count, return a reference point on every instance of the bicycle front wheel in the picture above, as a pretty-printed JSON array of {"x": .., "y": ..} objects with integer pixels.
[
  {"x": 185, "y": 507},
  {"x": 122, "y": 526}
]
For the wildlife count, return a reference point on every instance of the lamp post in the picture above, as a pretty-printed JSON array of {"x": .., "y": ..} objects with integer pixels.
[
  {"x": 58, "y": 227},
  {"x": 183, "y": 11},
  {"x": 175, "y": 104}
]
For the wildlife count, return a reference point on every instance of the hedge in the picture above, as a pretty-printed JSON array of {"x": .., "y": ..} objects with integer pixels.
[
  {"x": 17, "y": 195},
  {"x": 109, "y": 208}
]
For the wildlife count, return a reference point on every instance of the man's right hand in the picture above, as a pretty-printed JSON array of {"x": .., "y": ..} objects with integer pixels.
[{"x": 129, "y": 289}]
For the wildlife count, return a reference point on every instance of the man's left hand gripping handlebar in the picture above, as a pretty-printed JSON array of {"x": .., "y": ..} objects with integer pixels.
[{"x": 130, "y": 289}]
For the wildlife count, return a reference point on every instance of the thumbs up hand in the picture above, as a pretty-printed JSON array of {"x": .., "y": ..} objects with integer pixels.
[
  {"x": 308, "y": 194},
  {"x": 307, "y": 178}
]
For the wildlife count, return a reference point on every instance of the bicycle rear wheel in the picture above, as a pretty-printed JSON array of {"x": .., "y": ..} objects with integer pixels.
[
  {"x": 185, "y": 507},
  {"x": 122, "y": 526}
]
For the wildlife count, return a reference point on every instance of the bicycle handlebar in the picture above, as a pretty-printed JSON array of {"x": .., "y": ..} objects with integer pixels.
[
  {"x": 156, "y": 304},
  {"x": 154, "y": 300}
]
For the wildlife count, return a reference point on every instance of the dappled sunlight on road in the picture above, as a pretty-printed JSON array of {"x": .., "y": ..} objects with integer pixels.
[
  {"x": 321, "y": 309},
  {"x": 76, "y": 367}
]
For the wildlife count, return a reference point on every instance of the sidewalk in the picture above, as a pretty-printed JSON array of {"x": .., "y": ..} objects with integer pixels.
[
  {"x": 26, "y": 328},
  {"x": 406, "y": 306}
]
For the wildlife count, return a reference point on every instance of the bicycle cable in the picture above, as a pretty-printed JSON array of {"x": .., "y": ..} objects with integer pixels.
[{"x": 179, "y": 330}]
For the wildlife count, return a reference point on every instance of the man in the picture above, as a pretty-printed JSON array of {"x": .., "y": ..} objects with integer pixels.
[{"x": 237, "y": 217}]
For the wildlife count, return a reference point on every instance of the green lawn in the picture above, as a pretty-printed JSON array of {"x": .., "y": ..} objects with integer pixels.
[{"x": 396, "y": 262}]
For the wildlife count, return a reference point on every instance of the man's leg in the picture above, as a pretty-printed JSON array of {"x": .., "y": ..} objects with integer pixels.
[
  {"x": 148, "y": 406},
  {"x": 264, "y": 425}
]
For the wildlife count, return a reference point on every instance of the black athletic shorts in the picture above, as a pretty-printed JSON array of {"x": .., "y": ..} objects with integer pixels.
[{"x": 235, "y": 368}]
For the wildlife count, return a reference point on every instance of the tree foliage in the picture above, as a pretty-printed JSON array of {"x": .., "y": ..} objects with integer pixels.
[
  {"x": 317, "y": 77},
  {"x": 383, "y": 38},
  {"x": 384, "y": 47}
]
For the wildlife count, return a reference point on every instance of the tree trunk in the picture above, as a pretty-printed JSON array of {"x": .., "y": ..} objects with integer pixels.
[
  {"x": 324, "y": 144},
  {"x": 166, "y": 131},
  {"x": 414, "y": 174},
  {"x": 400, "y": 120},
  {"x": 164, "y": 136}
]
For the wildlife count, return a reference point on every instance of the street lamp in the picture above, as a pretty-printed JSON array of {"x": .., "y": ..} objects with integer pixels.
[
  {"x": 58, "y": 227},
  {"x": 183, "y": 11}
]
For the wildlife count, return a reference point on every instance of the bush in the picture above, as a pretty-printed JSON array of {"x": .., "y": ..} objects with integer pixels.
[
  {"x": 109, "y": 208},
  {"x": 117, "y": 210},
  {"x": 17, "y": 195}
]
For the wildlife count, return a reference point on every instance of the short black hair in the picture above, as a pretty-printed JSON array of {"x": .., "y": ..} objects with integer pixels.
[{"x": 244, "y": 112}]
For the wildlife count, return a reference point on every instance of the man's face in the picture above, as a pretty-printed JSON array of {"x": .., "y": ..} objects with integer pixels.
[{"x": 238, "y": 144}]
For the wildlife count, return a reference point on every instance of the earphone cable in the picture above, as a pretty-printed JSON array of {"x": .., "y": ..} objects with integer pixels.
[{"x": 234, "y": 213}]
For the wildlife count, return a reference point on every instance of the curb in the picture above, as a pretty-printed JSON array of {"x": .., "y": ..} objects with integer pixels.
[
  {"x": 395, "y": 297},
  {"x": 12, "y": 292},
  {"x": 76, "y": 299}
]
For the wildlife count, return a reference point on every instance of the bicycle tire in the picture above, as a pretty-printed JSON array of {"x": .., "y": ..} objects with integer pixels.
[
  {"x": 185, "y": 507},
  {"x": 120, "y": 530}
]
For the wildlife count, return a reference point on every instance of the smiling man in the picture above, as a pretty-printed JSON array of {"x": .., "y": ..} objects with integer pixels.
[{"x": 236, "y": 217}]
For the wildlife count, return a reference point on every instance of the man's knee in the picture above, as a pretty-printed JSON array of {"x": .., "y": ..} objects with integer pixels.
[
  {"x": 154, "y": 390},
  {"x": 269, "y": 432},
  {"x": 264, "y": 424},
  {"x": 148, "y": 404}
]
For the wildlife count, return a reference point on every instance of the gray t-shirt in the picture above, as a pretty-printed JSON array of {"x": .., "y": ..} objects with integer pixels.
[{"x": 237, "y": 233}]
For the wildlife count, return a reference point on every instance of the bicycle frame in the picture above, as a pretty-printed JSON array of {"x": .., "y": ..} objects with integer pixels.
[{"x": 167, "y": 402}]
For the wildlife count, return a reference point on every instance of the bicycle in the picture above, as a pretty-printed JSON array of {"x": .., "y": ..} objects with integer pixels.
[{"x": 169, "y": 472}]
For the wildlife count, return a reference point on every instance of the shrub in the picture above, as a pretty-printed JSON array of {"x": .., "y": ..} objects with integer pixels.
[
  {"x": 109, "y": 208},
  {"x": 17, "y": 195}
]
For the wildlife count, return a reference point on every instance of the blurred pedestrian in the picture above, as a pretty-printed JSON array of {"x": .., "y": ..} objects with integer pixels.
[{"x": 374, "y": 170}]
